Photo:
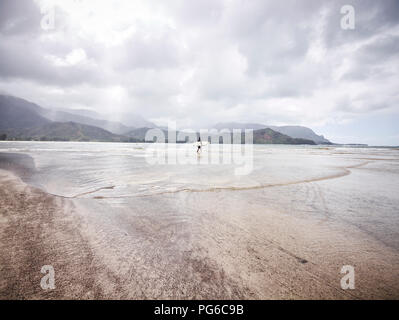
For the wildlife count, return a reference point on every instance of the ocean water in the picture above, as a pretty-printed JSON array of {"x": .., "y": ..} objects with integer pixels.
[
  {"x": 116, "y": 174},
  {"x": 108, "y": 170},
  {"x": 168, "y": 213}
]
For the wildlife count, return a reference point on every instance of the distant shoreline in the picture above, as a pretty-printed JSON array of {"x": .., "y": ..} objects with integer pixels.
[{"x": 267, "y": 144}]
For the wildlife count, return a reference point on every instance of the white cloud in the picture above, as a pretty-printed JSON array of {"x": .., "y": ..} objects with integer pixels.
[{"x": 203, "y": 62}]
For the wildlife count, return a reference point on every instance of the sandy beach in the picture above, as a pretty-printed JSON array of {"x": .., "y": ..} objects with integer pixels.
[
  {"x": 226, "y": 250},
  {"x": 199, "y": 150}
]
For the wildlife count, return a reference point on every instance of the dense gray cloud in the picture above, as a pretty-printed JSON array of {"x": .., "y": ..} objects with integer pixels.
[
  {"x": 19, "y": 16},
  {"x": 372, "y": 18},
  {"x": 201, "y": 62},
  {"x": 148, "y": 53}
]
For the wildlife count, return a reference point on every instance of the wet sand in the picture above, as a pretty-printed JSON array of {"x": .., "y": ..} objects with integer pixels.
[{"x": 221, "y": 250}]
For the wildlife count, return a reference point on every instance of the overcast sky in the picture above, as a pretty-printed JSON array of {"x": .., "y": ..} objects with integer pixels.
[{"x": 209, "y": 61}]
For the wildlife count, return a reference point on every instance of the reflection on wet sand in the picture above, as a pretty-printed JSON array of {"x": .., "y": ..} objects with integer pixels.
[{"x": 119, "y": 229}]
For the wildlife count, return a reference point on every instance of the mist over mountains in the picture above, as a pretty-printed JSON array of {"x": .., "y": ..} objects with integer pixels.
[{"x": 24, "y": 120}]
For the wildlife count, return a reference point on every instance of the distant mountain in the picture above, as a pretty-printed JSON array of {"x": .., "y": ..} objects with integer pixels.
[
  {"x": 269, "y": 136},
  {"x": 61, "y": 116},
  {"x": 66, "y": 131},
  {"x": 23, "y": 120},
  {"x": 262, "y": 136},
  {"x": 65, "y": 116},
  {"x": 302, "y": 133},
  {"x": 131, "y": 120},
  {"x": 17, "y": 113},
  {"x": 297, "y": 132},
  {"x": 85, "y": 113},
  {"x": 237, "y": 125},
  {"x": 139, "y": 133}
]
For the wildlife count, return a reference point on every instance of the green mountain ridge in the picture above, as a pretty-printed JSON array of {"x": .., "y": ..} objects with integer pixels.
[
  {"x": 261, "y": 136},
  {"x": 17, "y": 113},
  {"x": 23, "y": 120},
  {"x": 269, "y": 136},
  {"x": 66, "y": 131},
  {"x": 298, "y": 132}
]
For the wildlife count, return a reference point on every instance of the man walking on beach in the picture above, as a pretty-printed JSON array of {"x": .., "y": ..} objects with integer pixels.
[{"x": 199, "y": 143}]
